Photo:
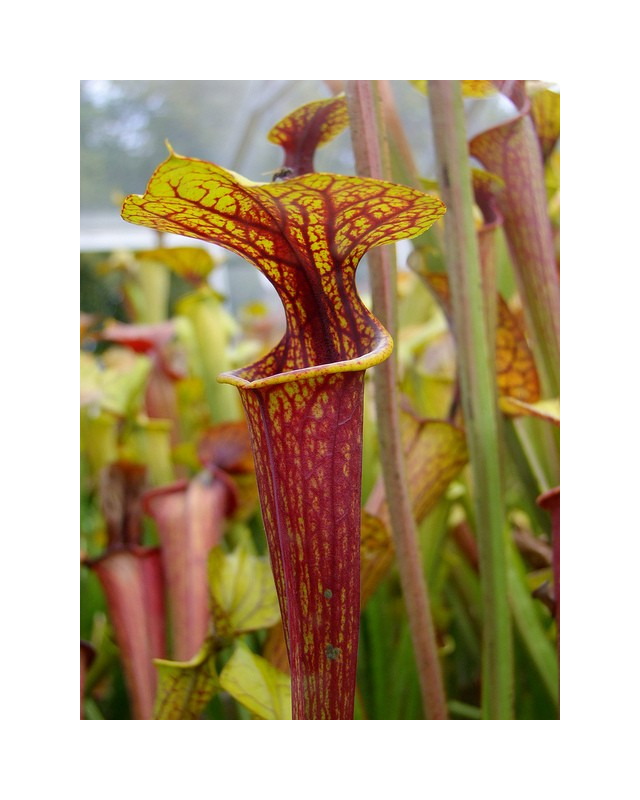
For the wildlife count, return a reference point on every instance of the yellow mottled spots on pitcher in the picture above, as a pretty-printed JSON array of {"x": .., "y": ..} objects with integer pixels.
[{"x": 303, "y": 399}]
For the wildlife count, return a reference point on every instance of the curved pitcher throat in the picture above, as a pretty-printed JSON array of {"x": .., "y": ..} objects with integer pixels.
[{"x": 322, "y": 336}]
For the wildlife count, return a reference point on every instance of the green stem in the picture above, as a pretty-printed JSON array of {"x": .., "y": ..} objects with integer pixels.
[
  {"x": 478, "y": 391},
  {"x": 531, "y": 453},
  {"x": 365, "y": 127}
]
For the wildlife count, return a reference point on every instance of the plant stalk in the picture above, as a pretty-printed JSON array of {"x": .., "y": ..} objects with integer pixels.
[
  {"x": 476, "y": 365},
  {"x": 365, "y": 132}
]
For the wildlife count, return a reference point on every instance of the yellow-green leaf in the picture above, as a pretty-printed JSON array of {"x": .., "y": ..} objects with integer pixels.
[
  {"x": 469, "y": 88},
  {"x": 115, "y": 381},
  {"x": 376, "y": 554},
  {"x": 257, "y": 684},
  {"x": 545, "y": 112},
  {"x": 191, "y": 263},
  {"x": 435, "y": 453},
  {"x": 544, "y": 409},
  {"x": 516, "y": 373},
  {"x": 186, "y": 687},
  {"x": 243, "y": 594}
]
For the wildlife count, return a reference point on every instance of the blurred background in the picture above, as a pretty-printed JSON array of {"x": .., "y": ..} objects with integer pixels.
[
  {"x": 124, "y": 125},
  {"x": 124, "y": 129}
]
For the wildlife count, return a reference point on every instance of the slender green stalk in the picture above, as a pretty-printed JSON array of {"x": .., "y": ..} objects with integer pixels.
[
  {"x": 365, "y": 127},
  {"x": 478, "y": 391}
]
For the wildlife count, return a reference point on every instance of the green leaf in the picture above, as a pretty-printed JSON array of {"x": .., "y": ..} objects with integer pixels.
[
  {"x": 527, "y": 617},
  {"x": 257, "y": 684},
  {"x": 545, "y": 112},
  {"x": 544, "y": 409},
  {"x": 186, "y": 687},
  {"x": 243, "y": 593}
]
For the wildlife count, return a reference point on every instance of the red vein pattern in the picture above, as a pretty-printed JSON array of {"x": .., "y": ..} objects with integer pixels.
[
  {"x": 307, "y": 128},
  {"x": 304, "y": 399},
  {"x": 307, "y": 443}
]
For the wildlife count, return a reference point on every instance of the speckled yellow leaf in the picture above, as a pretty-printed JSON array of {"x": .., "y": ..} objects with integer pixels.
[
  {"x": 516, "y": 373},
  {"x": 185, "y": 687}
]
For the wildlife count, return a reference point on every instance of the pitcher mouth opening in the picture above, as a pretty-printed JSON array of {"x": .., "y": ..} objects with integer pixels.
[{"x": 244, "y": 378}]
